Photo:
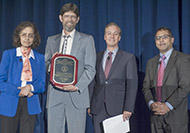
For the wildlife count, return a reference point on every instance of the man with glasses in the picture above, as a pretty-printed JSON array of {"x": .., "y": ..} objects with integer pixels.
[
  {"x": 166, "y": 86},
  {"x": 67, "y": 105}
]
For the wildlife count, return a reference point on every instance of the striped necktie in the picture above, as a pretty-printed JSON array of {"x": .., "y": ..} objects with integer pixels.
[{"x": 64, "y": 47}]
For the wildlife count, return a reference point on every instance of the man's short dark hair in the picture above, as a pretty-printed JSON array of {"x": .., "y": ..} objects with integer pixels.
[
  {"x": 165, "y": 29},
  {"x": 69, "y": 7}
]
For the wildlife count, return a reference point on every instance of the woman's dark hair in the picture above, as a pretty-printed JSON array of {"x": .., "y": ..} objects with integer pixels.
[{"x": 22, "y": 26}]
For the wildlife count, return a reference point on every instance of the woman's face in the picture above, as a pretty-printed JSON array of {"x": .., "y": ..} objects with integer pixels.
[{"x": 27, "y": 37}]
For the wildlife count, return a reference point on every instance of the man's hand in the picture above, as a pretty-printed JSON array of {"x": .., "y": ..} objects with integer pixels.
[
  {"x": 55, "y": 54},
  {"x": 162, "y": 109},
  {"x": 30, "y": 94},
  {"x": 154, "y": 106},
  {"x": 126, "y": 115},
  {"x": 24, "y": 90},
  {"x": 159, "y": 108},
  {"x": 88, "y": 110},
  {"x": 68, "y": 88}
]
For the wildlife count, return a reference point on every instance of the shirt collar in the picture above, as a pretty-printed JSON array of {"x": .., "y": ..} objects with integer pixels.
[
  {"x": 114, "y": 51},
  {"x": 71, "y": 34},
  {"x": 167, "y": 54},
  {"x": 19, "y": 53}
]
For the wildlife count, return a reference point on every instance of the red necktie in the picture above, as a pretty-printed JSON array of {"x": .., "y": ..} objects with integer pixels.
[
  {"x": 160, "y": 79},
  {"x": 26, "y": 74},
  {"x": 108, "y": 64}
]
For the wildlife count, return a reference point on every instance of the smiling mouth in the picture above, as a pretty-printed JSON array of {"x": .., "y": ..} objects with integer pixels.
[
  {"x": 162, "y": 44},
  {"x": 70, "y": 23},
  {"x": 111, "y": 40},
  {"x": 27, "y": 42}
]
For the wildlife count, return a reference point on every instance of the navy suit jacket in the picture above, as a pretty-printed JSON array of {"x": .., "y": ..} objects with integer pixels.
[
  {"x": 118, "y": 91},
  {"x": 10, "y": 75}
]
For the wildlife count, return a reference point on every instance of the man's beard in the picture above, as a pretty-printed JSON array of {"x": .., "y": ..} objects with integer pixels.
[{"x": 69, "y": 28}]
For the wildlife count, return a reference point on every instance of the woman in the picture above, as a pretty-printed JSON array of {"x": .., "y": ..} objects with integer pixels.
[{"x": 22, "y": 77}]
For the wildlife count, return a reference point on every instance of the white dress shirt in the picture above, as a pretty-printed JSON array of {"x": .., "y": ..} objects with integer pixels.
[
  {"x": 31, "y": 55},
  {"x": 69, "y": 42}
]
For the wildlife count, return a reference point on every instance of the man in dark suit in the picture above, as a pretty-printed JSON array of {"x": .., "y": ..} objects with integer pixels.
[
  {"x": 68, "y": 104},
  {"x": 113, "y": 91},
  {"x": 166, "y": 86}
]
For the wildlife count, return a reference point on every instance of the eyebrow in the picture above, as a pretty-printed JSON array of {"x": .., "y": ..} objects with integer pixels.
[
  {"x": 113, "y": 32},
  {"x": 26, "y": 33}
]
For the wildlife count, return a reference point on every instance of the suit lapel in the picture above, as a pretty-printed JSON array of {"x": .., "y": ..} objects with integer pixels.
[
  {"x": 169, "y": 66},
  {"x": 100, "y": 66},
  {"x": 33, "y": 66},
  {"x": 57, "y": 43},
  {"x": 155, "y": 69},
  {"x": 76, "y": 43},
  {"x": 19, "y": 63}
]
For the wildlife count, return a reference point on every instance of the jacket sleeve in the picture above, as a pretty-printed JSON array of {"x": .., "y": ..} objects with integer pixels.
[
  {"x": 6, "y": 85},
  {"x": 131, "y": 84},
  {"x": 89, "y": 66},
  {"x": 39, "y": 81}
]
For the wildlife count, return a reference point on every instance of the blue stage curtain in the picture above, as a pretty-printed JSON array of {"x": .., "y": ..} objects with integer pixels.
[{"x": 138, "y": 20}]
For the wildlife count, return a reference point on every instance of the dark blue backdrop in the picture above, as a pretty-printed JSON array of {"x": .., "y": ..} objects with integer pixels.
[{"x": 138, "y": 20}]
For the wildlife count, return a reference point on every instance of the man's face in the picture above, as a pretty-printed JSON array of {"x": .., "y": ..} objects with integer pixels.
[
  {"x": 69, "y": 20},
  {"x": 112, "y": 36},
  {"x": 164, "y": 41}
]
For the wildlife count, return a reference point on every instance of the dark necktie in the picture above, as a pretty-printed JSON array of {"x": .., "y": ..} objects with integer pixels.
[
  {"x": 160, "y": 79},
  {"x": 64, "y": 47},
  {"x": 108, "y": 64}
]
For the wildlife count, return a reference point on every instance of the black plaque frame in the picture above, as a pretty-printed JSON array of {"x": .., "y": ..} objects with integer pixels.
[{"x": 64, "y": 69}]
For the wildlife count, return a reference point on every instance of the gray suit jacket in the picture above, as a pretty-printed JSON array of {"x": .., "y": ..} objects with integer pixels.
[
  {"x": 84, "y": 50},
  {"x": 176, "y": 86},
  {"x": 118, "y": 92}
]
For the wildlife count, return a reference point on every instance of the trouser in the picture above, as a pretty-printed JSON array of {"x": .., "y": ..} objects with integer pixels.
[
  {"x": 160, "y": 126},
  {"x": 65, "y": 113},
  {"x": 98, "y": 119},
  {"x": 22, "y": 121}
]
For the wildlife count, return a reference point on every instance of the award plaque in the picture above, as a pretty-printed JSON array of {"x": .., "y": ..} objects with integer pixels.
[{"x": 63, "y": 70}]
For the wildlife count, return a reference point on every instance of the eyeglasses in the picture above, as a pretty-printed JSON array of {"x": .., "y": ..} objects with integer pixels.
[
  {"x": 69, "y": 16},
  {"x": 25, "y": 35},
  {"x": 163, "y": 37},
  {"x": 115, "y": 33}
]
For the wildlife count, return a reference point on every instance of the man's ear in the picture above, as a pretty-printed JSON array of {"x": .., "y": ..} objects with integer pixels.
[
  {"x": 78, "y": 18},
  {"x": 172, "y": 40},
  {"x": 61, "y": 18}
]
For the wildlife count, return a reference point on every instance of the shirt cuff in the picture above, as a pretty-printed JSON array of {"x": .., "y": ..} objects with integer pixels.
[
  {"x": 169, "y": 106},
  {"x": 32, "y": 88},
  {"x": 77, "y": 89},
  {"x": 149, "y": 103},
  {"x": 49, "y": 68}
]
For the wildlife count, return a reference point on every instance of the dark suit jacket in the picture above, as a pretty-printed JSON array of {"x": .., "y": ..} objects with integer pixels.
[
  {"x": 119, "y": 90},
  {"x": 176, "y": 86}
]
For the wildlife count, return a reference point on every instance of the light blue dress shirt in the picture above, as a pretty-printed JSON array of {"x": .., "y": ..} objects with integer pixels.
[
  {"x": 167, "y": 54},
  {"x": 106, "y": 56}
]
